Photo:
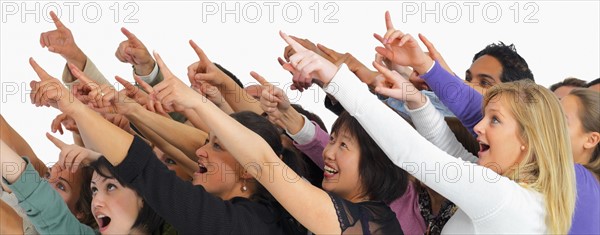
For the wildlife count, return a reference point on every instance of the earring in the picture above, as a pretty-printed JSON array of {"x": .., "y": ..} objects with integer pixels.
[
  {"x": 522, "y": 147},
  {"x": 244, "y": 188}
]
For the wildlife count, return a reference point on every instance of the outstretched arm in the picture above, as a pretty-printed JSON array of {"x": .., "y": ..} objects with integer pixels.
[
  {"x": 205, "y": 71},
  {"x": 259, "y": 156},
  {"x": 20, "y": 146},
  {"x": 44, "y": 206}
]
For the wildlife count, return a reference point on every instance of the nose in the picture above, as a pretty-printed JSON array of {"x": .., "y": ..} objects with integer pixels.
[
  {"x": 97, "y": 201},
  {"x": 201, "y": 152},
  {"x": 328, "y": 153},
  {"x": 479, "y": 129}
]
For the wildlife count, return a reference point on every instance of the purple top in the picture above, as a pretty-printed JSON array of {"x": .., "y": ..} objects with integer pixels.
[
  {"x": 586, "y": 219},
  {"x": 406, "y": 207},
  {"x": 461, "y": 99}
]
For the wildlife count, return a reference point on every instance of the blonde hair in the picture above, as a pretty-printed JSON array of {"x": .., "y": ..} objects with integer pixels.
[
  {"x": 589, "y": 115},
  {"x": 548, "y": 163}
]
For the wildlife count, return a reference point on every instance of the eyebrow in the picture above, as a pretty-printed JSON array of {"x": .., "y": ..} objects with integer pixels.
[
  {"x": 497, "y": 111},
  {"x": 483, "y": 75},
  {"x": 63, "y": 179},
  {"x": 103, "y": 179}
]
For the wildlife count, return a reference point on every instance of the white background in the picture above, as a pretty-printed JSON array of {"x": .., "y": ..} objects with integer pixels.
[{"x": 558, "y": 39}]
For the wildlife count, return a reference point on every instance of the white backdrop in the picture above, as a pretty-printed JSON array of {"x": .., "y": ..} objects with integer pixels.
[{"x": 243, "y": 36}]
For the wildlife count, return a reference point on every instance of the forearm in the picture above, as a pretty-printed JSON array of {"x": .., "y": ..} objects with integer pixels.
[
  {"x": 100, "y": 135},
  {"x": 170, "y": 130},
  {"x": 460, "y": 98},
  {"x": 430, "y": 123},
  {"x": 315, "y": 147},
  {"x": 188, "y": 162},
  {"x": 89, "y": 69},
  {"x": 192, "y": 116},
  {"x": 292, "y": 120},
  {"x": 20, "y": 146},
  {"x": 10, "y": 221},
  {"x": 12, "y": 165}
]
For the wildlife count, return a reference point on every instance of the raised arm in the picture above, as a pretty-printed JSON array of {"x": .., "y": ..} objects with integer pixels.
[
  {"x": 168, "y": 129},
  {"x": 44, "y": 206},
  {"x": 428, "y": 121},
  {"x": 20, "y": 146},
  {"x": 308, "y": 137},
  {"x": 388, "y": 129},
  {"x": 263, "y": 162},
  {"x": 205, "y": 71},
  {"x": 134, "y": 52}
]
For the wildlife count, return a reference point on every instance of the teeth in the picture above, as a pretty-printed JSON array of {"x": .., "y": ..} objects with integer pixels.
[
  {"x": 100, "y": 216},
  {"x": 329, "y": 169}
]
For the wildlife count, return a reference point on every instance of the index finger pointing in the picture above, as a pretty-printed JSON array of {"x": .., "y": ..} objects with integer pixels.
[
  {"x": 162, "y": 66},
  {"x": 130, "y": 36},
  {"x": 145, "y": 86},
  {"x": 259, "y": 79},
  {"x": 388, "y": 21},
  {"x": 56, "y": 20},
  {"x": 39, "y": 70},
  {"x": 80, "y": 75},
  {"x": 297, "y": 47},
  {"x": 125, "y": 83},
  {"x": 203, "y": 58},
  {"x": 58, "y": 143}
]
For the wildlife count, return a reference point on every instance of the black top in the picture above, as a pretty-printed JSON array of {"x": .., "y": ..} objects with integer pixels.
[
  {"x": 188, "y": 208},
  {"x": 369, "y": 217}
]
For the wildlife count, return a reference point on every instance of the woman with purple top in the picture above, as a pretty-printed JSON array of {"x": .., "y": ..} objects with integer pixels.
[{"x": 582, "y": 109}]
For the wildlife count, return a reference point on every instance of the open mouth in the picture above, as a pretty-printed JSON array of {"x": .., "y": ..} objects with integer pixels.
[
  {"x": 328, "y": 171},
  {"x": 202, "y": 168},
  {"x": 483, "y": 147},
  {"x": 103, "y": 221}
]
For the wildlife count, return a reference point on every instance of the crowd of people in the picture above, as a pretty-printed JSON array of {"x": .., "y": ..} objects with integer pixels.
[{"x": 416, "y": 149}]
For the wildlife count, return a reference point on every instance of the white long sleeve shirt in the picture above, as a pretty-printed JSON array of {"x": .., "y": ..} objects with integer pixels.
[{"x": 488, "y": 202}]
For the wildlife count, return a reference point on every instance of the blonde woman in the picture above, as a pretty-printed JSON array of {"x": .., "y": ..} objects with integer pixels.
[{"x": 523, "y": 181}]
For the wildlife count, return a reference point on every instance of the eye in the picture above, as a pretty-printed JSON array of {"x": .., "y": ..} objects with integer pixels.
[
  {"x": 206, "y": 141},
  {"x": 485, "y": 83},
  {"x": 331, "y": 139},
  {"x": 217, "y": 146},
  {"x": 170, "y": 161},
  {"x": 47, "y": 175},
  {"x": 111, "y": 187},
  {"x": 468, "y": 77},
  {"x": 61, "y": 186},
  {"x": 495, "y": 120},
  {"x": 94, "y": 190},
  {"x": 344, "y": 145}
]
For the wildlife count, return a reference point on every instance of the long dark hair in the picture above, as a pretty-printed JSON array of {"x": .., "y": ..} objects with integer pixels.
[{"x": 381, "y": 180}]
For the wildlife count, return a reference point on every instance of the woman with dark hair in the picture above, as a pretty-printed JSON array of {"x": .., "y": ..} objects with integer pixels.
[
  {"x": 71, "y": 186},
  {"x": 222, "y": 199},
  {"x": 357, "y": 186},
  {"x": 117, "y": 208}
]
